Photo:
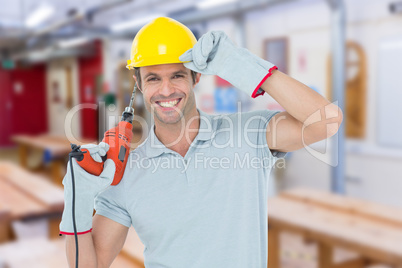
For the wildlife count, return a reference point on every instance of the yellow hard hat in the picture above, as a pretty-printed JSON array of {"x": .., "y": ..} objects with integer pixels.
[{"x": 161, "y": 41}]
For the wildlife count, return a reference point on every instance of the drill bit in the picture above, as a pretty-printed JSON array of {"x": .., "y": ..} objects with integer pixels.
[
  {"x": 128, "y": 113},
  {"x": 133, "y": 96}
]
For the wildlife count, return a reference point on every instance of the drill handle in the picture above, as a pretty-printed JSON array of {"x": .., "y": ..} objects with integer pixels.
[
  {"x": 90, "y": 165},
  {"x": 119, "y": 140}
]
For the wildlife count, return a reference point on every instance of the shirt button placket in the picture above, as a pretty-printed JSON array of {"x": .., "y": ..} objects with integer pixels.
[{"x": 189, "y": 171}]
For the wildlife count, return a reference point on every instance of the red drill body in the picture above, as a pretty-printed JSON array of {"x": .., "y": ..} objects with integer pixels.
[{"x": 119, "y": 140}]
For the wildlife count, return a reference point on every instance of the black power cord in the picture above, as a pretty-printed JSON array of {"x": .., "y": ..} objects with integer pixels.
[
  {"x": 75, "y": 153},
  {"x": 74, "y": 225}
]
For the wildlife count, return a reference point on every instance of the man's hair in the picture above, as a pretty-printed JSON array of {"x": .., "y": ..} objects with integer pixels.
[{"x": 138, "y": 75}]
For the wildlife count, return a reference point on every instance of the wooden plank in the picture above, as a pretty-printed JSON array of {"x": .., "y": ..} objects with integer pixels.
[
  {"x": 18, "y": 203},
  {"x": 56, "y": 145},
  {"x": 6, "y": 233},
  {"x": 44, "y": 142},
  {"x": 355, "y": 263},
  {"x": 123, "y": 261},
  {"x": 273, "y": 248},
  {"x": 325, "y": 255},
  {"x": 5, "y": 230},
  {"x": 54, "y": 227},
  {"x": 23, "y": 155},
  {"x": 25, "y": 195},
  {"x": 56, "y": 167},
  {"x": 368, "y": 210},
  {"x": 34, "y": 186},
  {"x": 377, "y": 240}
]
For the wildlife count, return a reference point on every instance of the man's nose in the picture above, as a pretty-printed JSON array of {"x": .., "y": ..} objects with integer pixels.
[{"x": 166, "y": 88}]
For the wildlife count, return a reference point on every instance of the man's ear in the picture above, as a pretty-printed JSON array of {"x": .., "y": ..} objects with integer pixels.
[
  {"x": 197, "y": 78},
  {"x": 135, "y": 79}
]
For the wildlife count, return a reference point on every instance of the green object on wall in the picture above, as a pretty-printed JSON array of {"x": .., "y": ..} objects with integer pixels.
[
  {"x": 109, "y": 99},
  {"x": 8, "y": 64}
]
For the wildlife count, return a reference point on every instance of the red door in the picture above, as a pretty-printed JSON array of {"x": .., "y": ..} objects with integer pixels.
[
  {"x": 5, "y": 108},
  {"x": 90, "y": 69},
  {"x": 23, "y": 108},
  {"x": 29, "y": 100}
]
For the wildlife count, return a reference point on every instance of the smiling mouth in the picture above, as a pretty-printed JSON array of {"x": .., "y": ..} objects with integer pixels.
[{"x": 168, "y": 104}]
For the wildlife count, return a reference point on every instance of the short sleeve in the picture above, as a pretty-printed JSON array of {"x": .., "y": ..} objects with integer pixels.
[
  {"x": 255, "y": 129},
  {"x": 111, "y": 204}
]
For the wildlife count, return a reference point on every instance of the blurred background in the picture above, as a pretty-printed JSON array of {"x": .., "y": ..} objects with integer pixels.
[{"x": 63, "y": 79}]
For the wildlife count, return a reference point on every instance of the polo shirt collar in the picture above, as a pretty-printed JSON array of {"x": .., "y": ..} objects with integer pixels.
[
  {"x": 206, "y": 131},
  {"x": 154, "y": 147}
]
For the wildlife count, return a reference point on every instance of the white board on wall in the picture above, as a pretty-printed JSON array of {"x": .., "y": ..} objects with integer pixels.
[{"x": 389, "y": 92}]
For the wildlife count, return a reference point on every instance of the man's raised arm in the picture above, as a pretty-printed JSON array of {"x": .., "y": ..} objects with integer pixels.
[{"x": 308, "y": 118}]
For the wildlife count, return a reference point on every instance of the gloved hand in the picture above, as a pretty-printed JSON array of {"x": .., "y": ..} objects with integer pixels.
[
  {"x": 216, "y": 54},
  {"x": 87, "y": 187}
]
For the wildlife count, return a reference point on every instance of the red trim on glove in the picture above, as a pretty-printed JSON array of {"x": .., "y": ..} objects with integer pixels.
[
  {"x": 255, "y": 95},
  {"x": 78, "y": 233}
]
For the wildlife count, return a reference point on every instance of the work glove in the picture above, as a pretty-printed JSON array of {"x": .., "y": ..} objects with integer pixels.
[
  {"x": 87, "y": 187},
  {"x": 216, "y": 54}
]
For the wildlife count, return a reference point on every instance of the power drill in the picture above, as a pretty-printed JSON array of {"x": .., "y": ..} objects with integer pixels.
[{"x": 119, "y": 139}]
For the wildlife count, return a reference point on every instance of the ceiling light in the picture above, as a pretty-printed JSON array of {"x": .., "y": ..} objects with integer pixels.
[
  {"x": 213, "y": 3},
  {"x": 39, "y": 16},
  {"x": 118, "y": 27},
  {"x": 73, "y": 42}
]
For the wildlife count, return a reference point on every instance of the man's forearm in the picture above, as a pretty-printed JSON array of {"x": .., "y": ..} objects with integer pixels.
[
  {"x": 297, "y": 99},
  {"x": 87, "y": 253}
]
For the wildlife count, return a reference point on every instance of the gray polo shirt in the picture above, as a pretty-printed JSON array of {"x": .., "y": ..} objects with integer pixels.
[{"x": 207, "y": 209}]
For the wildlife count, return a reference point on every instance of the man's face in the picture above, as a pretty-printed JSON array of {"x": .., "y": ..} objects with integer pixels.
[{"x": 168, "y": 91}]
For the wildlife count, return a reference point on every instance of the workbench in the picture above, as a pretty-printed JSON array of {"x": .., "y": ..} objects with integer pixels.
[
  {"x": 25, "y": 196},
  {"x": 371, "y": 230},
  {"x": 54, "y": 151}
]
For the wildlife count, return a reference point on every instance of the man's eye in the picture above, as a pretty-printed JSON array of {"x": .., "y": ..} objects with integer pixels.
[
  {"x": 178, "y": 76},
  {"x": 151, "y": 79}
]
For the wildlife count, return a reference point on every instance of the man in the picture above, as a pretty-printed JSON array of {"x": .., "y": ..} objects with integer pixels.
[{"x": 196, "y": 189}]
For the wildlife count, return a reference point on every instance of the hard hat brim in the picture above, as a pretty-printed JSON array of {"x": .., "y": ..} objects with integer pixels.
[{"x": 150, "y": 61}]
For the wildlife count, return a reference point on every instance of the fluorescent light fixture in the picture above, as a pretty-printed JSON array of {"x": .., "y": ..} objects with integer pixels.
[
  {"x": 40, "y": 54},
  {"x": 39, "y": 15},
  {"x": 73, "y": 42},
  {"x": 213, "y": 3},
  {"x": 122, "y": 26}
]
